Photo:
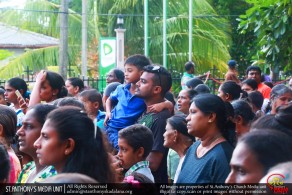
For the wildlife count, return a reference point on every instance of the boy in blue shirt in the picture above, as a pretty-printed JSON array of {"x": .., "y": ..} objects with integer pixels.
[{"x": 129, "y": 107}]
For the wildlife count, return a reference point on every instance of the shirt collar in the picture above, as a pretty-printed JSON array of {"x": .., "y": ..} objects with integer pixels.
[{"x": 138, "y": 165}]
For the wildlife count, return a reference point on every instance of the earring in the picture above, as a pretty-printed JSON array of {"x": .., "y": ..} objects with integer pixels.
[
  {"x": 66, "y": 152},
  {"x": 210, "y": 121},
  {"x": 174, "y": 140}
]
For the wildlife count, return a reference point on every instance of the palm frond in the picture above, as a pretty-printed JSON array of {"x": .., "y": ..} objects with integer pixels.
[
  {"x": 35, "y": 59},
  {"x": 210, "y": 33}
]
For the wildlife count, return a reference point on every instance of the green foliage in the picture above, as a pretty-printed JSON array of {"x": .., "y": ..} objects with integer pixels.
[
  {"x": 5, "y": 54},
  {"x": 271, "y": 23},
  {"x": 243, "y": 45},
  {"x": 35, "y": 59},
  {"x": 210, "y": 33},
  {"x": 46, "y": 21}
]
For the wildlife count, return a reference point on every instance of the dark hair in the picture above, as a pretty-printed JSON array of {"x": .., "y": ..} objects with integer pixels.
[
  {"x": 69, "y": 178},
  {"x": 179, "y": 123},
  {"x": 231, "y": 63},
  {"x": 57, "y": 82},
  {"x": 69, "y": 101},
  {"x": 229, "y": 110},
  {"x": 138, "y": 136},
  {"x": 41, "y": 111},
  {"x": 192, "y": 93},
  {"x": 270, "y": 147},
  {"x": 8, "y": 120},
  {"x": 281, "y": 121},
  {"x": 194, "y": 82},
  {"x": 110, "y": 88},
  {"x": 138, "y": 60},
  {"x": 77, "y": 82},
  {"x": 256, "y": 98},
  {"x": 162, "y": 76},
  {"x": 243, "y": 109},
  {"x": 230, "y": 133},
  {"x": 269, "y": 84},
  {"x": 92, "y": 95},
  {"x": 169, "y": 96},
  {"x": 189, "y": 65},
  {"x": 2, "y": 91},
  {"x": 209, "y": 103},
  {"x": 251, "y": 82},
  {"x": 202, "y": 88},
  {"x": 140, "y": 177},
  {"x": 4, "y": 163},
  {"x": 255, "y": 68},
  {"x": 19, "y": 84},
  {"x": 232, "y": 88},
  {"x": 119, "y": 74},
  {"x": 145, "y": 185},
  {"x": 89, "y": 156},
  {"x": 284, "y": 115}
]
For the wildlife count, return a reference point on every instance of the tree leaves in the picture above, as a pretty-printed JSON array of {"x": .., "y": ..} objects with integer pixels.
[
  {"x": 270, "y": 21},
  {"x": 211, "y": 34}
]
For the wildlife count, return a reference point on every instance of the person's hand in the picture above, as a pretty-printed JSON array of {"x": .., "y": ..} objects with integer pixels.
[
  {"x": 118, "y": 170},
  {"x": 23, "y": 104},
  {"x": 41, "y": 77},
  {"x": 156, "y": 108},
  {"x": 108, "y": 116}
]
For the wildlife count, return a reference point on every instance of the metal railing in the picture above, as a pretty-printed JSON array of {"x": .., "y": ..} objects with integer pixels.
[{"x": 99, "y": 83}]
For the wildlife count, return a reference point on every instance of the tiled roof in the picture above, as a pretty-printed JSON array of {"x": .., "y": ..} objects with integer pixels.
[{"x": 13, "y": 37}]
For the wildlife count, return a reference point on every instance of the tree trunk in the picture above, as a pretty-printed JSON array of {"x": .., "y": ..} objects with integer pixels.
[{"x": 63, "y": 50}]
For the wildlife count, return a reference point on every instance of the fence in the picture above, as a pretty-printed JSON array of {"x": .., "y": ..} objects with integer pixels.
[{"x": 100, "y": 83}]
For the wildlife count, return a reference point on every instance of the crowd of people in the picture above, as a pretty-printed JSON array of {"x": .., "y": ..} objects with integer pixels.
[{"x": 138, "y": 131}]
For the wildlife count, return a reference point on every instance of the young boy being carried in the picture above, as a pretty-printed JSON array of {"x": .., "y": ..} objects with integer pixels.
[{"x": 129, "y": 107}]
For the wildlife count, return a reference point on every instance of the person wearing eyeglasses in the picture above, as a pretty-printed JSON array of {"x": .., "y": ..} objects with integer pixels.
[{"x": 152, "y": 87}]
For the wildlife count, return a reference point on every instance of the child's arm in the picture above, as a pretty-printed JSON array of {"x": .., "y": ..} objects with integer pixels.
[
  {"x": 108, "y": 105},
  {"x": 160, "y": 106}
]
